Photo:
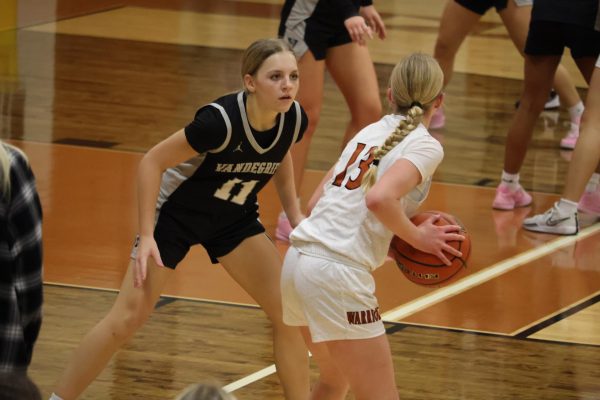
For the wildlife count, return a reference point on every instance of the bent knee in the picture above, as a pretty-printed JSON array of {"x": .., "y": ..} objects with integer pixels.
[
  {"x": 313, "y": 121},
  {"x": 444, "y": 49},
  {"x": 124, "y": 323}
]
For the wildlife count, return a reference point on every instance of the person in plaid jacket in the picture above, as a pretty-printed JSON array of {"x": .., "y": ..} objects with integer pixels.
[{"x": 20, "y": 260}]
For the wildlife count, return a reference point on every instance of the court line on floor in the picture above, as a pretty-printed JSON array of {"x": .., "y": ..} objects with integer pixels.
[
  {"x": 247, "y": 380},
  {"x": 162, "y": 296},
  {"x": 485, "y": 275},
  {"x": 557, "y": 316},
  {"x": 449, "y": 291}
]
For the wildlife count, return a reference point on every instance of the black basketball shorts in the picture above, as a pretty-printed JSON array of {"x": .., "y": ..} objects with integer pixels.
[
  {"x": 548, "y": 38},
  {"x": 177, "y": 229}
]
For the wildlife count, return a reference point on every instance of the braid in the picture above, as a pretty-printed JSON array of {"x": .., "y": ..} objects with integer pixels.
[
  {"x": 406, "y": 126},
  {"x": 415, "y": 84}
]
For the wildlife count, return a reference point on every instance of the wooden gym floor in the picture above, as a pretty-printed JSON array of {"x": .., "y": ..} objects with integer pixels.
[{"x": 87, "y": 87}]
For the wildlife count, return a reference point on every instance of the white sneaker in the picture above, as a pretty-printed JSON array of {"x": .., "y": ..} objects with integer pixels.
[
  {"x": 552, "y": 221},
  {"x": 552, "y": 103}
]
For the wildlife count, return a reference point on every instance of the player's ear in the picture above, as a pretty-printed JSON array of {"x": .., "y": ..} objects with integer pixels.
[
  {"x": 389, "y": 96},
  {"x": 249, "y": 83},
  {"x": 439, "y": 100}
]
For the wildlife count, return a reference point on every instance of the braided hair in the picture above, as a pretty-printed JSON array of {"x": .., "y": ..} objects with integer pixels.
[{"x": 415, "y": 83}]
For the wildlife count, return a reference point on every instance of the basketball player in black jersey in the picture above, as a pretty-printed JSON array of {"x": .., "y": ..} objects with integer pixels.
[
  {"x": 458, "y": 20},
  {"x": 199, "y": 186},
  {"x": 555, "y": 24},
  {"x": 331, "y": 35}
]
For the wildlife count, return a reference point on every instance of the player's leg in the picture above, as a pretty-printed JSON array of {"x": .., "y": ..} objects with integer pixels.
[
  {"x": 332, "y": 384},
  {"x": 338, "y": 303},
  {"x": 352, "y": 69},
  {"x": 256, "y": 265},
  {"x": 516, "y": 19},
  {"x": 455, "y": 24},
  {"x": 539, "y": 71},
  {"x": 310, "y": 96},
  {"x": 588, "y": 154},
  {"x": 131, "y": 309},
  {"x": 580, "y": 191},
  {"x": 569, "y": 97},
  {"x": 586, "y": 66},
  {"x": 368, "y": 366}
]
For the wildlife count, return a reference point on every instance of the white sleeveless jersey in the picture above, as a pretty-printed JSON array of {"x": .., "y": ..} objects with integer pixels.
[{"x": 341, "y": 221}]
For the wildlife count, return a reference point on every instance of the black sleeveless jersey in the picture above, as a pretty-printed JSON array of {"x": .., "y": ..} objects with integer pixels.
[
  {"x": 328, "y": 12},
  {"x": 234, "y": 162}
]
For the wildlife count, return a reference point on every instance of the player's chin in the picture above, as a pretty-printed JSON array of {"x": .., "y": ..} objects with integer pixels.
[{"x": 284, "y": 103}]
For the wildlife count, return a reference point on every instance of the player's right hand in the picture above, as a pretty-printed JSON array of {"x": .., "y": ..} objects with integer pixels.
[
  {"x": 146, "y": 248},
  {"x": 434, "y": 238}
]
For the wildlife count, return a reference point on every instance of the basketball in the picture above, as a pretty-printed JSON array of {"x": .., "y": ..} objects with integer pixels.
[{"x": 427, "y": 269}]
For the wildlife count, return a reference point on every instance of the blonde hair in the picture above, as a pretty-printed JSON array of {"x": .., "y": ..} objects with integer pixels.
[
  {"x": 5, "y": 161},
  {"x": 256, "y": 54},
  {"x": 205, "y": 391},
  {"x": 415, "y": 83}
]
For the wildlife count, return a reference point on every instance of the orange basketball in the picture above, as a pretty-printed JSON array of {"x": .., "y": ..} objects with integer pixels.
[{"x": 424, "y": 268}]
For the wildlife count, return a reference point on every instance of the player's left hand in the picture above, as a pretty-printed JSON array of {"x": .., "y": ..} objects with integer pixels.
[{"x": 358, "y": 29}]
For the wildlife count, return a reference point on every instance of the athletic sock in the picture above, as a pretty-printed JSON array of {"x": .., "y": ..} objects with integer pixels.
[
  {"x": 511, "y": 180},
  {"x": 576, "y": 111},
  {"x": 593, "y": 183},
  {"x": 566, "y": 207}
]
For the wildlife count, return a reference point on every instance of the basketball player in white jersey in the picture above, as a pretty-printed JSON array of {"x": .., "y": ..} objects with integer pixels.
[{"x": 381, "y": 178}]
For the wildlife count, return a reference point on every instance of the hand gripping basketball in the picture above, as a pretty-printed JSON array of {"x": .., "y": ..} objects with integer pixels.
[{"x": 426, "y": 269}]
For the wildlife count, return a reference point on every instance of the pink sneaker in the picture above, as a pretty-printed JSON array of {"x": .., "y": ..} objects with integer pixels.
[
  {"x": 438, "y": 120},
  {"x": 570, "y": 140},
  {"x": 284, "y": 229},
  {"x": 589, "y": 202},
  {"x": 507, "y": 199}
]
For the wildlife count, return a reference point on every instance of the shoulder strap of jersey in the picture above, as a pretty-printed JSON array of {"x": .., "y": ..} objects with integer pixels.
[
  {"x": 227, "y": 124},
  {"x": 298, "y": 121}
]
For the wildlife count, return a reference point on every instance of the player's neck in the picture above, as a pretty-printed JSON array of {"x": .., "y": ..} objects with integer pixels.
[
  {"x": 259, "y": 118},
  {"x": 427, "y": 115}
]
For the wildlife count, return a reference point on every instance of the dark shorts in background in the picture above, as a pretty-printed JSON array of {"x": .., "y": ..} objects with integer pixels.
[
  {"x": 548, "y": 38},
  {"x": 482, "y": 6}
]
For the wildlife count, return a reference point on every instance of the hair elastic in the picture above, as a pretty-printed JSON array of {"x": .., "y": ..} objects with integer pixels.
[
  {"x": 416, "y": 103},
  {"x": 376, "y": 162}
]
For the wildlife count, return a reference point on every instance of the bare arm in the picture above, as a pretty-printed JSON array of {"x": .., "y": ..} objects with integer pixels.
[
  {"x": 286, "y": 189},
  {"x": 170, "y": 152},
  {"x": 383, "y": 200},
  {"x": 318, "y": 191}
]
